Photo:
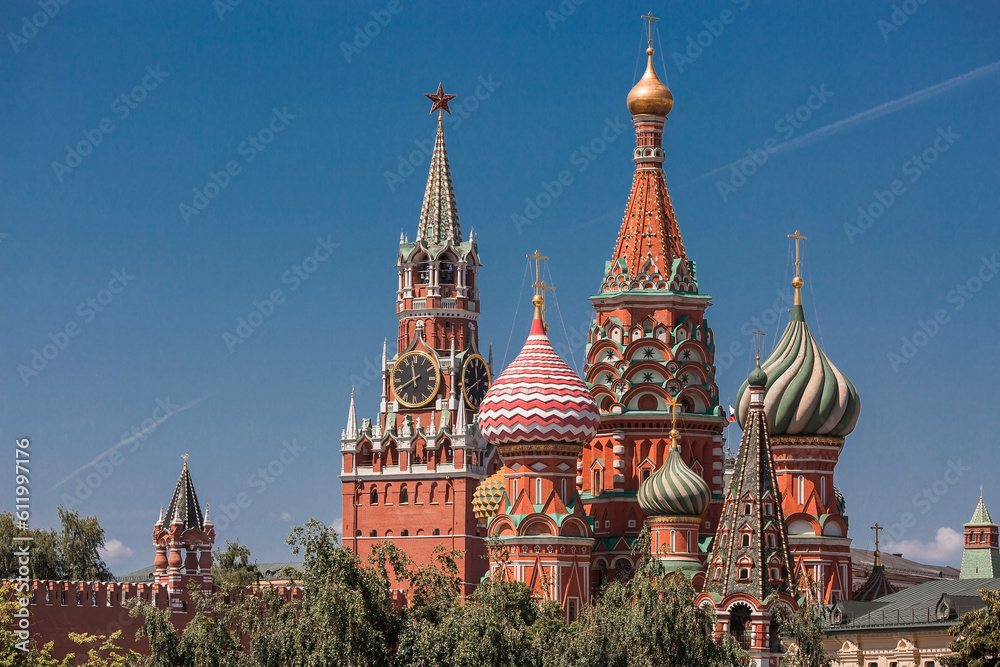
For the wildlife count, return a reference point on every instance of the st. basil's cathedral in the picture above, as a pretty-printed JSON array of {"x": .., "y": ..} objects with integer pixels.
[{"x": 560, "y": 474}]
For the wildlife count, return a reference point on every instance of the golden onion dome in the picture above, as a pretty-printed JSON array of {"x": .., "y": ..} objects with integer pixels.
[
  {"x": 650, "y": 96},
  {"x": 488, "y": 496}
]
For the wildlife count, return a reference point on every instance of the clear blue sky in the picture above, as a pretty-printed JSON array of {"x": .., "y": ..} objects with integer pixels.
[{"x": 345, "y": 116}]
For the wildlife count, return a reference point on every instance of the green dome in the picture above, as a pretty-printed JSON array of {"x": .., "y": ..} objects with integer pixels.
[
  {"x": 806, "y": 394},
  {"x": 757, "y": 378},
  {"x": 674, "y": 489}
]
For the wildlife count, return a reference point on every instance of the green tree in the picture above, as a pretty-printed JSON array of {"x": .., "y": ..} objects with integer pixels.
[
  {"x": 72, "y": 553},
  {"x": 806, "y": 626},
  {"x": 648, "y": 620},
  {"x": 231, "y": 567},
  {"x": 978, "y": 635},
  {"x": 79, "y": 544}
]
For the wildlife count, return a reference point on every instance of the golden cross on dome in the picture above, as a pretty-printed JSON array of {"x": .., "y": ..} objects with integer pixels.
[
  {"x": 798, "y": 237},
  {"x": 650, "y": 18},
  {"x": 878, "y": 554},
  {"x": 539, "y": 284},
  {"x": 674, "y": 404},
  {"x": 758, "y": 334},
  {"x": 440, "y": 101}
]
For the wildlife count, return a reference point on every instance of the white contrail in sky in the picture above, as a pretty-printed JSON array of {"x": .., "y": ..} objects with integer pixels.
[
  {"x": 868, "y": 115},
  {"x": 131, "y": 438}
]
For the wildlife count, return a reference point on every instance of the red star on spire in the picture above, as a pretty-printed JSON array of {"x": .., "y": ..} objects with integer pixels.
[{"x": 440, "y": 100}]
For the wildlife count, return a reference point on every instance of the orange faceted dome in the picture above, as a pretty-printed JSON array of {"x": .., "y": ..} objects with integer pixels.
[{"x": 650, "y": 96}]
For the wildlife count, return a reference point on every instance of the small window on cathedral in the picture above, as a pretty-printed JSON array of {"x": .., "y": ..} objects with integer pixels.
[
  {"x": 571, "y": 611},
  {"x": 768, "y": 509},
  {"x": 404, "y": 532},
  {"x": 717, "y": 575},
  {"x": 357, "y": 533},
  {"x": 771, "y": 541},
  {"x": 747, "y": 509},
  {"x": 775, "y": 574},
  {"x": 744, "y": 574},
  {"x": 374, "y": 497},
  {"x": 745, "y": 540},
  {"x": 374, "y": 533},
  {"x": 404, "y": 496},
  {"x": 437, "y": 531}
]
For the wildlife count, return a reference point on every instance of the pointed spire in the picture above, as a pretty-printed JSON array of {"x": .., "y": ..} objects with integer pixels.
[
  {"x": 439, "y": 214},
  {"x": 351, "y": 433},
  {"x": 649, "y": 253},
  {"x": 159, "y": 522},
  {"x": 736, "y": 565},
  {"x": 489, "y": 361},
  {"x": 184, "y": 507},
  {"x": 208, "y": 519},
  {"x": 402, "y": 238},
  {"x": 461, "y": 424}
]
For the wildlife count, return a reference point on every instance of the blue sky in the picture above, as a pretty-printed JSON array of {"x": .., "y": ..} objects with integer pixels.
[{"x": 341, "y": 114}]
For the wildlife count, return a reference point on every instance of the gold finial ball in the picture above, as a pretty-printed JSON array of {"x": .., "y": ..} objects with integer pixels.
[
  {"x": 649, "y": 51},
  {"x": 674, "y": 433},
  {"x": 797, "y": 282},
  {"x": 537, "y": 300}
]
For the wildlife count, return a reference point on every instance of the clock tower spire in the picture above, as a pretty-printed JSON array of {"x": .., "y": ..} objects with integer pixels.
[{"x": 410, "y": 477}]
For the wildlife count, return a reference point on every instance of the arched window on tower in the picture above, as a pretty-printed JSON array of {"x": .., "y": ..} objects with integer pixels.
[
  {"x": 822, "y": 489},
  {"x": 374, "y": 496},
  {"x": 598, "y": 486},
  {"x": 404, "y": 495},
  {"x": 447, "y": 273},
  {"x": 801, "y": 490},
  {"x": 423, "y": 273},
  {"x": 538, "y": 490}
]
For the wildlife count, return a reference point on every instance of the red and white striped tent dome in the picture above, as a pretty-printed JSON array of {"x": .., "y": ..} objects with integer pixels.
[{"x": 538, "y": 399}]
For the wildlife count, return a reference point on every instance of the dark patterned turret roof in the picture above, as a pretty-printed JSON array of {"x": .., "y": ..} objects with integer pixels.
[{"x": 187, "y": 499}]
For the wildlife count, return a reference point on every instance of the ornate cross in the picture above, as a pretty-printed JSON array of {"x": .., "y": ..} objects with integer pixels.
[
  {"x": 798, "y": 237},
  {"x": 650, "y": 18},
  {"x": 758, "y": 334},
  {"x": 877, "y": 528},
  {"x": 539, "y": 284}
]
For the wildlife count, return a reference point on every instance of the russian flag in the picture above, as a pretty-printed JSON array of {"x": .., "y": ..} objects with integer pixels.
[{"x": 732, "y": 413}]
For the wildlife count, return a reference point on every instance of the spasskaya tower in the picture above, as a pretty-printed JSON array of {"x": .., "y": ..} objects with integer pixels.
[{"x": 409, "y": 477}]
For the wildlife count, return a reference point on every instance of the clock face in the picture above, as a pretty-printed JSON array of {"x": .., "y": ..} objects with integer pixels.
[
  {"x": 475, "y": 380},
  {"x": 415, "y": 379}
]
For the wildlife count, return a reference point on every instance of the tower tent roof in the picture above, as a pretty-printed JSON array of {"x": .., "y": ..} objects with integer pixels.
[
  {"x": 981, "y": 517},
  {"x": 439, "y": 213},
  {"x": 186, "y": 501}
]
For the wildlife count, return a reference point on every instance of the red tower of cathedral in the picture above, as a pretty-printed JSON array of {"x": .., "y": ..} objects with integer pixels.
[
  {"x": 410, "y": 476},
  {"x": 540, "y": 415},
  {"x": 650, "y": 346}
]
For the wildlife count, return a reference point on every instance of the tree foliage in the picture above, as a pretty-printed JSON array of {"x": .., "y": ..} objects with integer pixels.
[
  {"x": 352, "y": 613},
  {"x": 231, "y": 567},
  {"x": 806, "y": 627},
  {"x": 978, "y": 635},
  {"x": 73, "y": 553}
]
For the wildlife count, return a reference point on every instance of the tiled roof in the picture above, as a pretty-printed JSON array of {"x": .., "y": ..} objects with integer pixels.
[
  {"x": 919, "y": 605},
  {"x": 899, "y": 566}
]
